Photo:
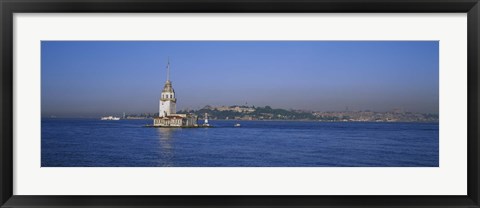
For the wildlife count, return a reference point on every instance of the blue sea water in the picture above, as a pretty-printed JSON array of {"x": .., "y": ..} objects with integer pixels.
[{"x": 126, "y": 143}]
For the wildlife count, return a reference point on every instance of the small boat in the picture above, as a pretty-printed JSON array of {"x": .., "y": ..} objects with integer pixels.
[
  {"x": 110, "y": 118},
  {"x": 237, "y": 125},
  {"x": 205, "y": 123}
]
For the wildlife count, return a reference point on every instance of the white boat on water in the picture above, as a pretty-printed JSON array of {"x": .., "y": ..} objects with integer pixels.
[
  {"x": 205, "y": 123},
  {"x": 110, "y": 118},
  {"x": 237, "y": 125}
]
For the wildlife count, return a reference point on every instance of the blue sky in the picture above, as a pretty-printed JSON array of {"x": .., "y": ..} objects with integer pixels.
[{"x": 91, "y": 78}]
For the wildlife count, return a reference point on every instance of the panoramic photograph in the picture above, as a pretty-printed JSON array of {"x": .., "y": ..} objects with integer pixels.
[{"x": 240, "y": 104}]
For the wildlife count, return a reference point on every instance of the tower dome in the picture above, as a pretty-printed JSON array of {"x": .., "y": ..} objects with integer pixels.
[{"x": 168, "y": 87}]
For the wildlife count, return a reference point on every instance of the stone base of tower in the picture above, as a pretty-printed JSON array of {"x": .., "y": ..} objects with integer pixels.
[{"x": 176, "y": 120}]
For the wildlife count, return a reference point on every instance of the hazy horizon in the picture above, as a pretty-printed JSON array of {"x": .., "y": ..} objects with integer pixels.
[{"x": 94, "y": 78}]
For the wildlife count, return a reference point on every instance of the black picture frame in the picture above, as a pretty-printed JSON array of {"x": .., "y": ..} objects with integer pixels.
[{"x": 9, "y": 7}]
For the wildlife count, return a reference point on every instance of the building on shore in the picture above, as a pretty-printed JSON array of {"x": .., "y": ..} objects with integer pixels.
[{"x": 167, "y": 116}]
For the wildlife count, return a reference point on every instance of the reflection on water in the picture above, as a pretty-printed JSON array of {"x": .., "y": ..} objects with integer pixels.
[
  {"x": 165, "y": 136},
  {"x": 126, "y": 143}
]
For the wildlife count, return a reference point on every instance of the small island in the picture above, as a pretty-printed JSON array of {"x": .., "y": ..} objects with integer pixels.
[{"x": 167, "y": 116}]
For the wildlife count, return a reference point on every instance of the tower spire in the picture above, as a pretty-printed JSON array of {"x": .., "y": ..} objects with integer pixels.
[{"x": 168, "y": 69}]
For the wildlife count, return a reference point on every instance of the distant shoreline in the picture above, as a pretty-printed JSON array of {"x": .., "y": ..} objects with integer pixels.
[
  {"x": 237, "y": 120},
  {"x": 331, "y": 121}
]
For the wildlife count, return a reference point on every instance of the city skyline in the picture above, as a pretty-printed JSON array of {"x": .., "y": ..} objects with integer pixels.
[{"x": 92, "y": 78}]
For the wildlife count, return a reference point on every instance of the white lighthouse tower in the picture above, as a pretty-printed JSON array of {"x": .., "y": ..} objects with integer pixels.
[{"x": 167, "y": 100}]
